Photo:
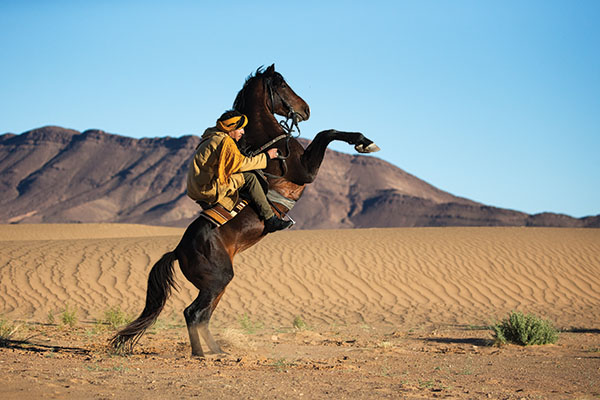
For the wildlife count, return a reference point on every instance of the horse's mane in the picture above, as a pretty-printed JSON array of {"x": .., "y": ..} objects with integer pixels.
[
  {"x": 275, "y": 78},
  {"x": 271, "y": 77},
  {"x": 240, "y": 99}
]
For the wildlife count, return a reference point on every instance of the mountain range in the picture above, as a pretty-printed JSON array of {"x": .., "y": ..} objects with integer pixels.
[{"x": 59, "y": 175}]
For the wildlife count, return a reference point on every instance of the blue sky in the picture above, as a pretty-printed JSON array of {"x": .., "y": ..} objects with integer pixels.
[{"x": 498, "y": 102}]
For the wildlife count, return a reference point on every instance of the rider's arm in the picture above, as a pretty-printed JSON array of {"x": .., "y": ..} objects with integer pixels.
[{"x": 256, "y": 162}]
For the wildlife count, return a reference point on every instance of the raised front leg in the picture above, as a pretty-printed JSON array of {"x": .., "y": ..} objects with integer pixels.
[{"x": 313, "y": 155}]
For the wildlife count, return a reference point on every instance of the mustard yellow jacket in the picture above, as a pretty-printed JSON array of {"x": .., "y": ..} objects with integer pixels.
[{"x": 202, "y": 180}]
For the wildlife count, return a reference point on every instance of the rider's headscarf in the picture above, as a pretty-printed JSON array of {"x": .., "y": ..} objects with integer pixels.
[{"x": 232, "y": 123}]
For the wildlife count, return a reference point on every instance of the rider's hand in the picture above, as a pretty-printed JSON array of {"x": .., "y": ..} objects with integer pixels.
[{"x": 272, "y": 153}]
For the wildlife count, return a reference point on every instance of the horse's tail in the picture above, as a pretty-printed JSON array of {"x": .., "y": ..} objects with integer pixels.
[{"x": 160, "y": 283}]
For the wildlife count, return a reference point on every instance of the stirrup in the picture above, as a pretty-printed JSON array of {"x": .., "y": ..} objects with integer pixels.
[{"x": 293, "y": 222}]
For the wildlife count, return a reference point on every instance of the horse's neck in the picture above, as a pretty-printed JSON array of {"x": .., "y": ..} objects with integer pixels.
[{"x": 261, "y": 128}]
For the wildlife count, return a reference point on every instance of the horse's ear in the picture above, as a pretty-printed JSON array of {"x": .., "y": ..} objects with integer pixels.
[{"x": 271, "y": 69}]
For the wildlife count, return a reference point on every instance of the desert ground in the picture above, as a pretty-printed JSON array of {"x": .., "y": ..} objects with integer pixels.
[{"x": 356, "y": 314}]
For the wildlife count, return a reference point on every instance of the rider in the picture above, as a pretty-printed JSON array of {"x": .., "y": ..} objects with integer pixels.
[{"x": 218, "y": 173}]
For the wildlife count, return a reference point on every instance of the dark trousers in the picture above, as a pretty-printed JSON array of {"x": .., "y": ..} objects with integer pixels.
[{"x": 253, "y": 191}]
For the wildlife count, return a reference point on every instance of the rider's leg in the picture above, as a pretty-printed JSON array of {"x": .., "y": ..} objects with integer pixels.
[{"x": 252, "y": 189}]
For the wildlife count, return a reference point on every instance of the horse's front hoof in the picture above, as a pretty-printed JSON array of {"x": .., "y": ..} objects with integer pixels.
[{"x": 372, "y": 148}]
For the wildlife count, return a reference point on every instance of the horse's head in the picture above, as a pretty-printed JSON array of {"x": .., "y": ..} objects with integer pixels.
[
  {"x": 268, "y": 91},
  {"x": 265, "y": 94},
  {"x": 282, "y": 100}
]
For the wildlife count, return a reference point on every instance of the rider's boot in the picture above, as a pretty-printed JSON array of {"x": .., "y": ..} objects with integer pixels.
[{"x": 276, "y": 224}]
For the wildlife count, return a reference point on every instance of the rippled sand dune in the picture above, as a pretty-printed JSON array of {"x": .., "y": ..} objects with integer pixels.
[{"x": 408, "y": 276}]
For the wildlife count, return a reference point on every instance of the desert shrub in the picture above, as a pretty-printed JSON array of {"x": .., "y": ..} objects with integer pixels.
[
  {"x": 282, "y": 365},
  {"x": 249, "y": 326},
  {"x": 157, "y": 326},
  {"x": 69, "y": 316},
  {"x": 115, "y": 317},
  {"x": 7, "y": 330},
  {"x": 51, "y": 319},
  {"x": 525, "y": 329},
  {"x": 299, "y": 323}
]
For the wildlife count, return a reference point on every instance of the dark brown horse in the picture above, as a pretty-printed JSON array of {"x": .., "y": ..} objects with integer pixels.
[{"x": 205, "y": 254}]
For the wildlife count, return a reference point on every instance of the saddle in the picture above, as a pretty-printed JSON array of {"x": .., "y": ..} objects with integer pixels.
[{"x": 219, "y": 215}]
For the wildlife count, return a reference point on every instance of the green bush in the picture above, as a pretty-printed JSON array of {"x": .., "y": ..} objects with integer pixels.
[
  {"x": 115, "y": 317},
  {"x": 7, "y": 330},
  {"x": 249, "y": 326},
  {"x": 525, "y": 330},
  {"x": 299, "y": 323},
  {"x": 69, "y": 316}
]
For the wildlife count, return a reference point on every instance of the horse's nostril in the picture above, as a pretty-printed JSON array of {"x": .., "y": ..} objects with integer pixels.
[{"x": 307, "y": 112}]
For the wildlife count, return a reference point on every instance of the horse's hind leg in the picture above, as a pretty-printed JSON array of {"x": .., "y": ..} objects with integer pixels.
[
  {"x": 206, "y": 263},
  {"x": 211, "y": 278},
  {"x": 197, "y": 317},
  {"x": 191, "y": 319},
  {"x": 205, "y": 332}
]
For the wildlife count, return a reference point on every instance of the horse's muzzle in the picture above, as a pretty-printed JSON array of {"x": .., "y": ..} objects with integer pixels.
[{"x": 303, "y": 115}]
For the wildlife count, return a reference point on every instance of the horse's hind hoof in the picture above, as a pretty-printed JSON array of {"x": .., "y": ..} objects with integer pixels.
[
  {"x": 198, "y": 355},
  {"x": 372, "y": 148}
]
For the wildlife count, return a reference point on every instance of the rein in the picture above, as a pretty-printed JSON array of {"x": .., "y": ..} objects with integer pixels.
[{"x": 268, "y": 144}]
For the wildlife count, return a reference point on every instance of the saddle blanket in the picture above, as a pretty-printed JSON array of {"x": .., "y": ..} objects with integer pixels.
[{"x": 219, "y": 215}]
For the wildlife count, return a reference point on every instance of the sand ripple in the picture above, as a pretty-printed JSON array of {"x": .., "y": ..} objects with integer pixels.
[{"x": 410, "y": 276}]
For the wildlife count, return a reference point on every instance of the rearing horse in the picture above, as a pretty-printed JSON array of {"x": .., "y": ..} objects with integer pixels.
[{"x": 205, "y": 254}]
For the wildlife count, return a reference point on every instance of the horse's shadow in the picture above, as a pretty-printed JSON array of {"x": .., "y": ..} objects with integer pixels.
[
  {"x": 26, "y": 345},
  {"x": 479, "y": 342},
  {"x": 581, "y": 330},
  {"x": 482, "y": 342},
  {"x": 473, "y": 341}
]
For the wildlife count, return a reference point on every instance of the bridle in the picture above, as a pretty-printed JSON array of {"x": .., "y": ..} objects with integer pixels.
[
  {"x": 287, "y": 126},
  {"x": 292, "y": 115}
]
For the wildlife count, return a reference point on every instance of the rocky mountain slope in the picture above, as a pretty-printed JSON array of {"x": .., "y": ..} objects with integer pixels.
[{"x": 53, "y": 174}]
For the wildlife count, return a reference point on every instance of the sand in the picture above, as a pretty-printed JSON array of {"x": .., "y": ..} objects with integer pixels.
[
  {"x": 376, "y": 282},
  {"x": 375, "y": 276}
]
